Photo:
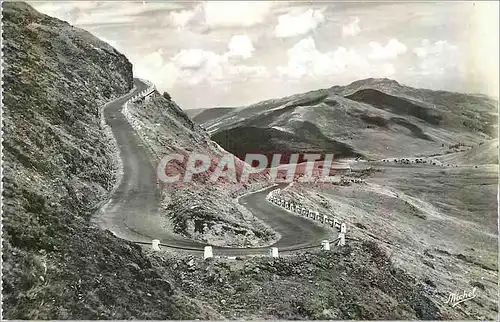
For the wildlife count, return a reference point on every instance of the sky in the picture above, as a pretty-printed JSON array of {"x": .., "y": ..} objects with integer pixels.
[{"x": 235, "y": 53}]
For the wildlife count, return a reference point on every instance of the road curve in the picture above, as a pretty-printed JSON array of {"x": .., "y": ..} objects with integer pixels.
[{"x": 132, "y": 212}]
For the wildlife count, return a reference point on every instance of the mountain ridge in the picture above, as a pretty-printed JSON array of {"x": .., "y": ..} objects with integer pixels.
[{"x": 381, "y": 109}]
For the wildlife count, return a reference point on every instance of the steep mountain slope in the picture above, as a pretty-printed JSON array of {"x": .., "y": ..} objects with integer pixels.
[
  {"x": 59, "y": 164},
  {"x": 373, "y": 117}
]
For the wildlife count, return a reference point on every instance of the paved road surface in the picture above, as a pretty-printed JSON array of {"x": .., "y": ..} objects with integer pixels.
[{"x": 132, "y": 212}]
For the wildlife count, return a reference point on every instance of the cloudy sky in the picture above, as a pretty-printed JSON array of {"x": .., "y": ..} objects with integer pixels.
[{"x": 208, "y": 54}]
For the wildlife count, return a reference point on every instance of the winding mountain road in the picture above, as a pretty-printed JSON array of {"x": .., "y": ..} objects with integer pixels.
[{"x": 133, "y": 213}]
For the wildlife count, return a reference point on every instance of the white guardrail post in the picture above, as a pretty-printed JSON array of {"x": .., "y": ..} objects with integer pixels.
[
  {"x": 274, "y": 252},
  {"x": 325, "y": 245},
  {"x": 155, "y": 245},
  {"x": 343, "y": 230},
  {"x": 208, "y": 252},
  {"x": 341, "y": 239}
]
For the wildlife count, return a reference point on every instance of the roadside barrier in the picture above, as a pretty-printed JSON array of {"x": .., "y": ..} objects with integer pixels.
[
  {"x": 299, "y": 209},
  {"x": 155, "y": 244},
  {"x": 151, "y": 88},
  {"x": 295, "y": 207},
  {"x": 208, "y": 251}
]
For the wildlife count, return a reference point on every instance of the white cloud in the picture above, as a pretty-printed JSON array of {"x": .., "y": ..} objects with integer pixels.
[
  {"x": 223, "y": 14},
  {"x": 63, "y": 10},
  {"x": 392, "y": 50},
  {"x": 440, "y": 47},
  {"x": 351, "y": 29},
  {"x": 195, "y": 58},
  {"x": 240, "y": 45},
  {"x": 217, "y": 71},
  {"x": 304, "y": 59},
  {"x": 112, "y": 43},
  {"x": 298, "y": 22},
  {"x": 88, "y": 13},
  {"x": 348, "y": 58},
  {"x": 197, "y": 66},
  {"x": 437, "y": 57},
  {"x": 236, "y": 13},
  {"x": 387, "y": 70},
  {"x": 434, "y": 61},
  {"x": 182, "y": 18}
]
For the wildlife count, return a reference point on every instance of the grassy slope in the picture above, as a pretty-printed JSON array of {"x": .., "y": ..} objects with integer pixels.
[
  {"x": 438, "y": 224},
  {"x": 485, "y": 153}
]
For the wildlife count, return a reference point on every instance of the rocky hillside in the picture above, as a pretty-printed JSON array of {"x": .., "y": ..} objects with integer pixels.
[
  {"x": 374, "y": 118},
  {"x": 58, "y": 166}
]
